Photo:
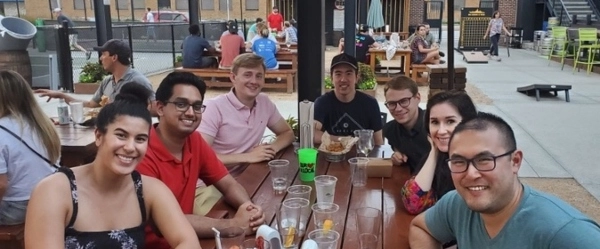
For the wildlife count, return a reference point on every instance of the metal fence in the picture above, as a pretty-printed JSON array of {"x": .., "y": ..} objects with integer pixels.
[{"x": 150, "y": 55}]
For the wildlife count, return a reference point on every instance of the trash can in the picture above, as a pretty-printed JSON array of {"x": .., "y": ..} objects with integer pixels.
[{"x": 40, "y": 36}]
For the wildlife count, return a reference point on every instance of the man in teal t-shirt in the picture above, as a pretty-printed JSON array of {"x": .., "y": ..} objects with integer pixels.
[
  {"x": 490, "y": 207},
  {"x": 252, "y": 30}
]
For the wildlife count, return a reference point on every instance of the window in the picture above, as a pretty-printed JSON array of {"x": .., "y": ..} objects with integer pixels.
[
  {"x": 251, "y": 4},
  {"x": 139, "y": 4},
  {"x": 207, "y": 5},
  {"x": 92, "y": 4},
  {"x": 78, "y": 4},
  {"x": 181, "y": 4},
  {"x": 121, "y": 4},
  {"x": 223, "y": 4},
  {"x": 54, "y": 4}
]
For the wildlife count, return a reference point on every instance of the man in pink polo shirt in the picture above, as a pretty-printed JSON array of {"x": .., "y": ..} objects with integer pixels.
[{"x": 234, "y": 123}]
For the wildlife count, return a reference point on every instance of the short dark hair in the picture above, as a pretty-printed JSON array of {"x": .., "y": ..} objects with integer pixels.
[
  {"x": 419, "y": 27},
  {"x": 165, "y": 89},
  {"x": 400, "y": 83},
  {"x": 484, "y": 121},
  {"x": 194, "y": 29},
  {"x": 148, "y": 8},
  {"x": 132, "y": 100},
  {"x": 259, "y": 19}
]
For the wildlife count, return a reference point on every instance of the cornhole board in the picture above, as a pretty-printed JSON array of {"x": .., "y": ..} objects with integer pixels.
[
  {"x": 543, "y": 88},
  {"x": 475, "y": 57}
]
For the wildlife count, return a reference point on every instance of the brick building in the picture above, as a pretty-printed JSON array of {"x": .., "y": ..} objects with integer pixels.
[
  {"x": 209, "y": 9},
  {"x": 508, "y": 9}
]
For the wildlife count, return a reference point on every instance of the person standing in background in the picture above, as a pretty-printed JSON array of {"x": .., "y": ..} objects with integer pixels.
[
  {"x": 252, "y": 30},
  {"x": 72, "y": 32},
  {"x": 149, "y": 18},
  {"x": 275, "y": 20},
  {"x": 495, "y": 28}
]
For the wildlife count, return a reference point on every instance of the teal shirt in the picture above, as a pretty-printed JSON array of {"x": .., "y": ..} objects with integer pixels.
[
  {"x": 541, "y": 221},
  {"x": 252, "y": 28}
]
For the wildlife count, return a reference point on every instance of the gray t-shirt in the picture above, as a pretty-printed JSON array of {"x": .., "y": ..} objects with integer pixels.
[
  {"x": 61, "y": 18},
  {"x": 110, "y": 88},
  {"x": 540, "y": 221},
  {"x": 23, "y": 168}
]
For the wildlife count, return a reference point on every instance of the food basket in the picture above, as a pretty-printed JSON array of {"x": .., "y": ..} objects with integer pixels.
[{"x": 335, "y": 151}]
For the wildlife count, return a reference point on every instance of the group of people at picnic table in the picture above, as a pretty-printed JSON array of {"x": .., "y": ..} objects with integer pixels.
[
  {"x": 261, "y": 40},
  {"x": 151, "y": 185}
]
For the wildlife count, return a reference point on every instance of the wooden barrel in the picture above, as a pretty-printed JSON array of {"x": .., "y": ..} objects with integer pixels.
[{"x": 18, "y": 61}]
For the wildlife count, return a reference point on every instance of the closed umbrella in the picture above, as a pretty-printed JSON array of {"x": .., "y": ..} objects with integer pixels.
[{"x": 375, "y": 15}]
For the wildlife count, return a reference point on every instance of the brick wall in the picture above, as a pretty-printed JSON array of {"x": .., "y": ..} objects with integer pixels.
[
  {"x": 508, "y": 11},
  {"x": 40, "y": 9},
  {"x": 508, "y": 8}
]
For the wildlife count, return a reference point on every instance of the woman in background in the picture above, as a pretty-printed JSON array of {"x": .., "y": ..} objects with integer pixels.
[
  {"x": 20, "y": 168},
  {"x": 266, "y": 48},
  {"x": 494, "y": 29},
  {"x": 107, "y": 204}
]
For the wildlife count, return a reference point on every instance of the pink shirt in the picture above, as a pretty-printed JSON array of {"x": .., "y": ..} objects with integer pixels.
[{"x": 235, "y": 127}]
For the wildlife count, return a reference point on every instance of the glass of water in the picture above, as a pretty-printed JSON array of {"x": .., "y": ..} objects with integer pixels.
[
  {"x": 279, "y": 170},
  {"x": 358, "y": 166},
  {"x": 325, "y": 186}
]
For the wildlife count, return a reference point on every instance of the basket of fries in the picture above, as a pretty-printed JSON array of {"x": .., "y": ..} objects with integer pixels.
[{"x": 335, "y": 151}]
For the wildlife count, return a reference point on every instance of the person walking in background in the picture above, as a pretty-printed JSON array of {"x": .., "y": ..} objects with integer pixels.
[
  {"x": 275, "y": 20},
  {"x": 20, "y": 168},
  {"x": 252, "y": 30},
  {"x": 72, "y": 32},
  {"x": 149, "y": 18},
  {"x": 494, "y": 29}
]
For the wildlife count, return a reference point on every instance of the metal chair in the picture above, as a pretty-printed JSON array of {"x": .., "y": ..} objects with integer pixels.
[
  {"x": 588, "y": 39},
  {"x": 560, "y": 45}
]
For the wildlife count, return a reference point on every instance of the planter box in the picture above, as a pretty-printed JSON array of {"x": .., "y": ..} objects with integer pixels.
[
  {"x": 370, "y": 92},
  {"x": 85, "y": 88},
  {"x": 178, "y": 64}
]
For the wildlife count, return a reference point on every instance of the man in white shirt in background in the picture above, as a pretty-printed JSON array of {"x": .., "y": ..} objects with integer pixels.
[{"x": 150, "y": 28}]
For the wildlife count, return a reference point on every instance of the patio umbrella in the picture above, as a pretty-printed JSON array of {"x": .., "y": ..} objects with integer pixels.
[{"x": 375, "y": 15}]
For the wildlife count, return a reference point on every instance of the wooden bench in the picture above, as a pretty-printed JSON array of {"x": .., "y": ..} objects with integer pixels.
[
  {"x": 415, "y": 70},
  {"x": 11, "y": 237},
  {"x": 208, "y": 75}
]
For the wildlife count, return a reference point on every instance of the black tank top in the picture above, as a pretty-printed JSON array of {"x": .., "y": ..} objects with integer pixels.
[{"x": 129, "y": 238}]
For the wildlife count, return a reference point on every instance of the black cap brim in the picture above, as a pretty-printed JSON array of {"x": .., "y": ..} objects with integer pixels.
[
  {"x": 343, "y": 62},
  {"x": 99, "y": 49}
]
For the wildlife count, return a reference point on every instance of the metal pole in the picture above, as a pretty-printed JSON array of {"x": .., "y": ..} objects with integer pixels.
[
  {"x": 50, "y": 8},
  {"x": 18, "y": 11},
  {"x": 130, "y": 38},
  {"x": 85, "y": 10},
  {"x": 349, "y": 27},
  {"x": 311, "y": 27},
  {"x": 193, "y": 6},
  {"x": 118, "y": 10},
  {"x": 228, "y": 11},
  {"x": 242, "y": 13},
  {"x": 173, "y": 44},
  {"x": 108, "y": 19},
  {"x": 132, "y": 13},
  {"x": 101, "y": 28},
  {"x": 65, "y": 60},
  {"x": 450, "y": 44}
]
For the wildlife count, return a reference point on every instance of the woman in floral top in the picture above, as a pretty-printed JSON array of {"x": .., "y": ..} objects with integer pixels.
[
  {"x": 423, "y": 53},
  {"x": 106, "y": 204},
  {"x": 494, "y": 29},
  {"x": 444, "y": 112}
]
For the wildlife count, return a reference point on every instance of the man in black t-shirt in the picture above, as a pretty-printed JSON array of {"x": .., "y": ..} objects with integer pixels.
[
  {"x": 406, "y": 133},
  {"x": 72, "y": 32},
  {"x": 344, "y": 110},
  {"x": 363, "y": 42}
]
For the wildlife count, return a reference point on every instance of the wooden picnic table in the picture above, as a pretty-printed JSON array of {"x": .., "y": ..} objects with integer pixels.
[
  {"x": 77, "y": 145},
  {"x": 403, "y": 54},
  {"x": 380, "y": 193},
  {"x": 284, "y": 54}
]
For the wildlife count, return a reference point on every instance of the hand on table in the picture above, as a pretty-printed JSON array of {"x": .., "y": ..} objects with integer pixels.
[
  {"x": 250, "y": 216},
  {"x": 261, "y": 153},
  {"x": 398, "y": 158},
  {"x": 50, "y": 94}
]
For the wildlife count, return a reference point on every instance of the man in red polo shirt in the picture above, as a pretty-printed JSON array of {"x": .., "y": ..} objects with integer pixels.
[
  {"x": 275, "y": 20},
  {"x": 178, "y": 156}
]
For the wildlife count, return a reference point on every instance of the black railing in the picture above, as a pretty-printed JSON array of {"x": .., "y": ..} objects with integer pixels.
[
  {"x": 557, "y": 9},
  {"x": 594, "y": 7}
]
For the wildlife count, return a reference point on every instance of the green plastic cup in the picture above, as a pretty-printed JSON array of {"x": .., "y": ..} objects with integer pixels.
[{"x": 308, "y": 164}]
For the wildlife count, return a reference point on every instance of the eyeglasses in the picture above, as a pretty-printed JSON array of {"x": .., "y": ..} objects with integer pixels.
[
  {"x": 402, "y": 102},
  {"x": 184, "y": 106},
  {"x": 481, "y": 163}
]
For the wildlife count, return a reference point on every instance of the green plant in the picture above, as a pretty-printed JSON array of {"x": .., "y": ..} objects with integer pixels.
[
  {"x": 92, "y": 72},
  {"x": 366, "y": 80},
  {"x": 179, "y": 58},
  {"x": 293, "y": 122}
]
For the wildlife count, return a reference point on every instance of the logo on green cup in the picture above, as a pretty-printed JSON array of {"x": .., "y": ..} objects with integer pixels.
[{"x": 307, "y": 168}]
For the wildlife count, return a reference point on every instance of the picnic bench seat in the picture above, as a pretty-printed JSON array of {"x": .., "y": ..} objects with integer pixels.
[
  {"x": 11, "y": 237},
  {"x": 416, "y": 69},
  {"x": 287, "y": 77}
]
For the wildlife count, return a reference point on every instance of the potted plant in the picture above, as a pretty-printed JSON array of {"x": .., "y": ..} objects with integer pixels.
[
  {"x": 178, "y": 61},
  {"x": 293, "y": 122},
  {"x": 91, "y": 74},
  {"x": 366, "y": 80}
]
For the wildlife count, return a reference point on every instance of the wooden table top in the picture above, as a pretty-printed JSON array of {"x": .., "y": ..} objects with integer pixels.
[
  {"x": 380, "y": 193},
  {"x": 75, "y": 137}
]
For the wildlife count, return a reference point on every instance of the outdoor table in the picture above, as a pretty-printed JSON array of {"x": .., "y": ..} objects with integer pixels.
[
  {"x": 380, "y": 193},
  {"x": 77, "y": 145},
  {"x": 284, "y": 54},
  {"x": 403, "y": 53}
]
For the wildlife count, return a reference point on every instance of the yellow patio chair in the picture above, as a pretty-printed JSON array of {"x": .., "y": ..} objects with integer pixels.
[
  {"x": 560, "y": 45},
  {"x": 588, "y": 39}
]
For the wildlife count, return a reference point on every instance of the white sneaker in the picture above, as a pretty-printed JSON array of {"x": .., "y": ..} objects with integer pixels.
[{"x": 498, "y": 58}]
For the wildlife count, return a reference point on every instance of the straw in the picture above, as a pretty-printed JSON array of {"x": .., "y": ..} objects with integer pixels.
[{"x": 217, "y": 238}]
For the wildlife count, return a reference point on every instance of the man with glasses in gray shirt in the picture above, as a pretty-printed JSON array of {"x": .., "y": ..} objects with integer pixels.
[{"x": 115, "y": 59}]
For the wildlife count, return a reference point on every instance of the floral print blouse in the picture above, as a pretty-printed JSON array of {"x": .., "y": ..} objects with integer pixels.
[
  {"x": 415, "y": 199},
  {"x": 129, "y": 238}
]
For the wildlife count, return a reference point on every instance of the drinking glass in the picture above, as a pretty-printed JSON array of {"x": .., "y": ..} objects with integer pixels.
[
  {"x": 358, "y": 166},
  {"x": 368, "y": 222},
  {"x": 232, "y": 236},
  {"x": 365, "y": 141},
  {"x": 304, "y": 205},
  {"x": 325, "y": 185},
  {"x": 323, "y": 215},
  {"x": 279, "y": 169},
  {"x": 254, "y": 244},
  {"x": 299, "y": 191},
  {"x": 288, "y": 221},
  {"x": 325, "y": 239}
]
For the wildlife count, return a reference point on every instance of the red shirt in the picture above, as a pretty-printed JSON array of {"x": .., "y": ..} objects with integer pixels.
[
  {"x": 230, "y": 48},
  {"x": 275, "y": 20},
  {"x": 199, "y": 161}
]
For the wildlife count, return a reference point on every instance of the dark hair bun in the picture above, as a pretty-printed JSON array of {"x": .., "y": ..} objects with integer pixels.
[{"x": 133, "y": 92}]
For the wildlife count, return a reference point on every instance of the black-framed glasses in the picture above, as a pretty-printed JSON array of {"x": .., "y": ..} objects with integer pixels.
[
  {"x": 481, "y": 163},
  {"x": 184, "y": 106},
  {"x": 402, "y": 102}
]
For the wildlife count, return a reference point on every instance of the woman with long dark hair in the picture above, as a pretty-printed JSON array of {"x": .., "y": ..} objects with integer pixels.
[
  {"x": 494, "y": 29},
  {"x": 444, "y": 112}
]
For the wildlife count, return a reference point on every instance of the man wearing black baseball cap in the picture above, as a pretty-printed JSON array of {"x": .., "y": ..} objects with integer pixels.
[
  {"x": 115, "y": 59},
  {"x": 342, "y": 111},
  {"x": 232, "y": 28}
]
